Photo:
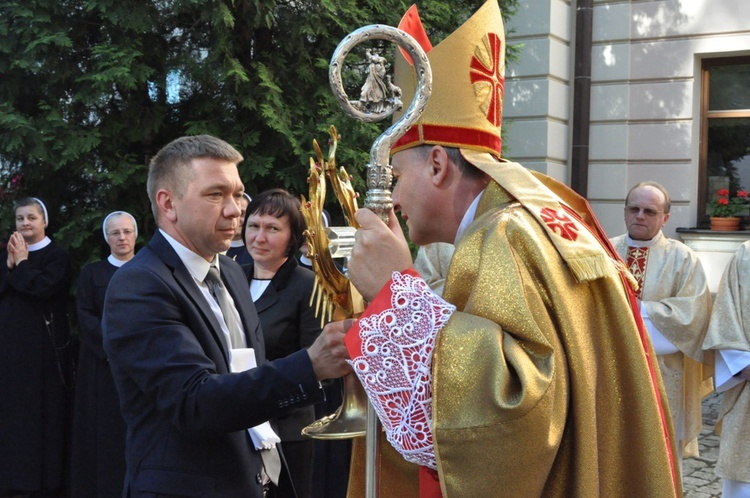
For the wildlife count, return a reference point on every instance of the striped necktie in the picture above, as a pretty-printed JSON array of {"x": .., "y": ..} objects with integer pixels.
[{"x": 220, "y": 294}]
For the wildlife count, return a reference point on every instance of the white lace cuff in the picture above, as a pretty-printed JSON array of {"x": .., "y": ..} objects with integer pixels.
[{"x": 391, "y": 349}]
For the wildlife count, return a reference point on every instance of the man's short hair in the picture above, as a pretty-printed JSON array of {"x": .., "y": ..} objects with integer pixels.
[
  {"x": 658, "y": 186},
  {"x": 170, "y": 167},
  {"x": 467, "y": 169}
]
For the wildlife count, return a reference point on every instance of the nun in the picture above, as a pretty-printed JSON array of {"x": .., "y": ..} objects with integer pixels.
[
  {"x": 98, "y": 455},
  {"x": 35, "y": 364}
]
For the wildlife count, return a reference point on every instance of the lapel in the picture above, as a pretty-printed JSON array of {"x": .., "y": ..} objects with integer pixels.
[
  {"x": 267, "y": 299},
  {"x": 279, "y": 282},
  {"x": 185, "y": 280}
]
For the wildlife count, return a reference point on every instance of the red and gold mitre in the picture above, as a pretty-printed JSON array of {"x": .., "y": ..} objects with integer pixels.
[
  {"x": 465, "y": 111},
  {"x": 468, "y": 82}
]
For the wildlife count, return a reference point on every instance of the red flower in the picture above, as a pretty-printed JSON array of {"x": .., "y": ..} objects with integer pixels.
[{"x": 727, "y": 205}]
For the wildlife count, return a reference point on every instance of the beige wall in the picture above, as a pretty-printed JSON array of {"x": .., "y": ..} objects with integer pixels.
[{"x": 645, "y": 94}]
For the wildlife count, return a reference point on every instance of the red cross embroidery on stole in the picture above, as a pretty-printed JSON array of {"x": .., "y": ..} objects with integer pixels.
[
  {"x": 489, "y": 80},
  {"x": 560, "y": 223},
  {"x": 637, "y": 257}
]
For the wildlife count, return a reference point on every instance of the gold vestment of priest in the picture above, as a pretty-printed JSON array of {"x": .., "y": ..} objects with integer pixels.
[
  {"x": 676, "y": 298},
  {"x": 541, "y": 385},
  {"x": 730, "y": 329},
  {"x": 543, "y": 381}
]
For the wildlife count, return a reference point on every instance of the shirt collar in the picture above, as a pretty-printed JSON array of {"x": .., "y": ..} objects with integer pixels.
[
  {"x": 40, "y": 245},
  {"x": 644, "y": 243},
  {"x": 196, "y": 265},
  {"x": 237, "y": 243},
  {"x": 468, "y": 216},
  {"x": 114, "y": 261}
]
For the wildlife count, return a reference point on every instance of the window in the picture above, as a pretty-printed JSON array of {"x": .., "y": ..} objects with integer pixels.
[{"x": 725, "y": 131}]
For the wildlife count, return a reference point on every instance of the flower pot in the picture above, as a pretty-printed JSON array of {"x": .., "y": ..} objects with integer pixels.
[{"x": 725, "y": 224}]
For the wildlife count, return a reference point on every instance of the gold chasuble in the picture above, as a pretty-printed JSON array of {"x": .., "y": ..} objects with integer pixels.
[
  {"x": 541, "y": 383},
  {"x": 539, "y": 376},
  {"x": 730, "y": 330},
  {"x": 676, "y": 298}
]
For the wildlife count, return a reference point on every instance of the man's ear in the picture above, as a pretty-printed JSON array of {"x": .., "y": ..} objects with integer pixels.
[
  {"x": 165, "y": 203},
  {"x": 439, "y": 165}
]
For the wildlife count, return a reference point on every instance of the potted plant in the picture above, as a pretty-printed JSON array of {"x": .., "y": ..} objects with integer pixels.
[{"x": 725, "y": 208}]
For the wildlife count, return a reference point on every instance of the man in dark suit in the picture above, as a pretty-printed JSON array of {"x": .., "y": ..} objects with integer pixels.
[{"x": 170, "y": 345}]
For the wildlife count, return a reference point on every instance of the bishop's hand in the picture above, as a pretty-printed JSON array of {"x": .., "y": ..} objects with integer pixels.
[{"x": 379, "y": 250}]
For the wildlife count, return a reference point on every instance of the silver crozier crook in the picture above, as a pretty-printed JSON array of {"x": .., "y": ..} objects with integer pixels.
[
  {"x": 371, "y": 109},
  {"x": 380, "y": 99}
]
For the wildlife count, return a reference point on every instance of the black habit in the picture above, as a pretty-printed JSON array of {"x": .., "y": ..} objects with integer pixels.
[
  {"x": 35, "y": 369},
  {"x": 98, "y": 457}
]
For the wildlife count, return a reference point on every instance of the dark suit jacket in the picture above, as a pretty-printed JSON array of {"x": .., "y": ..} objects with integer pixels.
[
  {"x": 186, "y": 414},
  {"x": 289, "y": 324}
]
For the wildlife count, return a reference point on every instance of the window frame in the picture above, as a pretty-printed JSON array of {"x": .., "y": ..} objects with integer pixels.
[{"x": 706, "y": 114}]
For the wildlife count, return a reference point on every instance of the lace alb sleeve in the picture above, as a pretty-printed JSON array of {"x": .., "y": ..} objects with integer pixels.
[{"x": 391, "y": 349}]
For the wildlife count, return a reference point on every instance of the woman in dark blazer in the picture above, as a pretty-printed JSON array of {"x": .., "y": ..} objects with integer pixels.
[{"x": 281, "y": 290}]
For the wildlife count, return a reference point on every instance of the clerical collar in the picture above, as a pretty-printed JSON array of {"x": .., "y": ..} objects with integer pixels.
[
  {"x": 114, "y": 261},
  {"x": 468, "y": 216},
  {"x": 195, "y": 264},
  {"x": 40, "y": 245},
  {"x": 644, "y": 243},
  {"x": 237, "y": 243}
]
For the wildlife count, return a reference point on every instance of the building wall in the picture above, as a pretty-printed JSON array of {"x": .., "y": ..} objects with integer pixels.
[
  {"x": 645, "y": 94},
  {"x": 538, "y": 87}
]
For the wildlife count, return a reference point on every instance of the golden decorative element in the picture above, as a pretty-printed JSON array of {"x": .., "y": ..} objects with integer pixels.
[
  {"x": 349, "y": 420},
  {"x": 333, "y": 295},
  {"x": 332, "y": 288}
]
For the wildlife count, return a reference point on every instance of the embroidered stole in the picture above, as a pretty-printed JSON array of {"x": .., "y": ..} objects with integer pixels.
[{"x": 636, "y": 261}]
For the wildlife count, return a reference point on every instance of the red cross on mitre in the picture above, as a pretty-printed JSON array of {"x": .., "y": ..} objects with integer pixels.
[
  {"x": 560, "y": 223},
  {"x": 487, "y": 78}
]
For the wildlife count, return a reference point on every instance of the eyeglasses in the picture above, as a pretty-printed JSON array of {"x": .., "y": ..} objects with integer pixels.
[
  {"x": 650, "y": 212},
  {"x": 116, "y": 233}
]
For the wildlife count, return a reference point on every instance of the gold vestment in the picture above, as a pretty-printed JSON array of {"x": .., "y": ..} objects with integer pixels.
[
  {"x": 541, "y": 385},
  {"x": 730, "y": 329},
  {"x": 676, "y": 297}
]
